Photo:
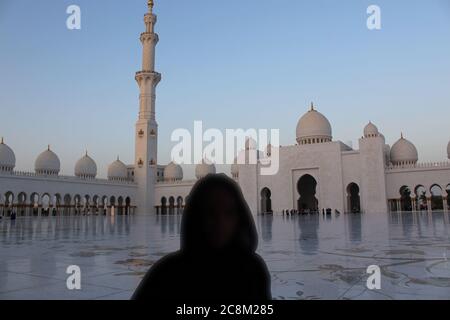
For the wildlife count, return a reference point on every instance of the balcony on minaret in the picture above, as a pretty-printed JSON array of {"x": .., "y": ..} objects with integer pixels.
[
  {"x": 146, "y": 75},
  {"x": 148, "y": 36}
]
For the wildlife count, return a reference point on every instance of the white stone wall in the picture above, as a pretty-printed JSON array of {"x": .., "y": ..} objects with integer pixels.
[
  {"x": 322, "y": 161},
  {"x": 413, "y": 177},
  {"x": 30, "y": 184},
  {"x": 373, "y": 180},
  {"x": 172, "y": 189}
]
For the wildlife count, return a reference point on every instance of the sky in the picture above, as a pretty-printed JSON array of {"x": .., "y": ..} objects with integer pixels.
[{"x": 231, "y": 64}]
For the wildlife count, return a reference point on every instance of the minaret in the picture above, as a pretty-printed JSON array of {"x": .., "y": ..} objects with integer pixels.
[{"x": 146, "y": 126}]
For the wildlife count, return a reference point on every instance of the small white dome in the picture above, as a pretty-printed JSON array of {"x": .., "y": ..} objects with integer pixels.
[
  {"x": 117, "y": 170},
  {"x": 86, "y": 167},
  {"x": 7, "y": 157},
  {"x": 403, "y": 152},
  {"x": 371, "y": 131},
  {"x": 313, "y": 127},
  {"x": 47, "y": 163},
  {"x": 173, "y": 172},
  {"x": 204, "y": 168},
  {"x": 448, "y": 150}
]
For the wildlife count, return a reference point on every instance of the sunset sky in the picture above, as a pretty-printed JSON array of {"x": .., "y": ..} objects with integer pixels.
[{"x": 231, "y": 64}]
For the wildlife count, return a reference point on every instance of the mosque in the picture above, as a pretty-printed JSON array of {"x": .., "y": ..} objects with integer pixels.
[{"x": 315, "y": 173}]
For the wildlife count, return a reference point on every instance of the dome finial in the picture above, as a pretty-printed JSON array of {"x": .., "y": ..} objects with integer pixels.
[
  {"x": 312, "y": 106},
  {"x": 48, "y": 147},
  {"x": 150, "y": 4},
  {"x": 86, "y": 154},
  {"x": 401, "y": 135},
  {"x": 2, "y": 141}
]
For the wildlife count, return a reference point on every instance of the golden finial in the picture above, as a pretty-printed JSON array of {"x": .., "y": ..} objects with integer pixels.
[{"x": 150, "y": 4}]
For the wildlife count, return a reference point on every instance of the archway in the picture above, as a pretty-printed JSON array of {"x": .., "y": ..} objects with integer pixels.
[
  {"x": 266, "y": 201},
  {"x": 21, "y": 203},
  {"x": 179, "y": 204},
  {"x": 77, "y": 203},
  {"x": 127, "y": 205},
  {"x": 421, "y": 196},
  {"x": 120, "y": 205},
  {"x": 67, "y": 204},
  {"x": 96, "y": 204},
  {"x": 163, "y": 205},
  {"x": 86, "y": 204},
  {"x": 405, "y": 199},
  {"x": 46, "y": 204},
  {"x": 9, "y": 203},
  {"x": 105, "y": 205},
  {"x": 34, "y": 203},
  {"x": 57, "y": 201},
  {"x": 306, "y": 187},
  {"x": 436, "y": 198},
  {"x": 171, "y": 205},
  {"x": 353, "y": 198}
]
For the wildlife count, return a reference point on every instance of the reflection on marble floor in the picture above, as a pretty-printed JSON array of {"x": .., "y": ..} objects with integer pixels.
[{"x": 310, "y": 257}]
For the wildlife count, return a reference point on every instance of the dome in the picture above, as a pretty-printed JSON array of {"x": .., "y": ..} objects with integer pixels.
[
  {"x": 313, "y": 127},
  {"x": 86, "y": 167},
  {"x": 204, "y": 168},
  {"x": 371, "y": 131},
  {"x": 448, "y": 150},
  {"x": 47, "y": 163},
  {"x": 173, "y": 172},
  {"x": 117, "y": 170},
  {"x": 7, "y": 157},
  {"x": 404, "y": 152}
]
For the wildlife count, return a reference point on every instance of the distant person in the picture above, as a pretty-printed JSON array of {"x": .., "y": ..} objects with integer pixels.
[{"x": 217, "y": 259}]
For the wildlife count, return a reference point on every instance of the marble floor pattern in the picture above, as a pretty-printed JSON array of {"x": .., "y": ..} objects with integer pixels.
[{"x": 309, "y": 257}]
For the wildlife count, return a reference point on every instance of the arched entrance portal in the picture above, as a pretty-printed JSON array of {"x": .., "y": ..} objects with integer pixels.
[
  {"x": 353, "y": 198},
  {"x": 266, "y": 201},
  {"x": 306, "y": 187}
]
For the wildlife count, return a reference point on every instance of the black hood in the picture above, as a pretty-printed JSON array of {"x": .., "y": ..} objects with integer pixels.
[{"x": 192, "y": 239}]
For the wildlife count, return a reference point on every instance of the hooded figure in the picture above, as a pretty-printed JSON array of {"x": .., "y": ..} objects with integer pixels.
[{"x": 217, "y": 260}]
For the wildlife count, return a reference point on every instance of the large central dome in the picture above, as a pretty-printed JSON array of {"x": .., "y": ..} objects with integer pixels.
[{"x": 313, "y": 127}]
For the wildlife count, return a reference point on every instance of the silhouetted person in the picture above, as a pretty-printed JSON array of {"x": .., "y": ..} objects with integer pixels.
[{"x": 217, "y": 260}]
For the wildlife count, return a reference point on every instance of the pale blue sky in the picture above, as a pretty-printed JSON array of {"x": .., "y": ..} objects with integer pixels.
[{"x": 234, "y": 63}]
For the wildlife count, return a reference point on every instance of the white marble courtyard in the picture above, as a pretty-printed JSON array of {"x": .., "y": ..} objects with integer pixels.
[{"x": 311, "y": 257}]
